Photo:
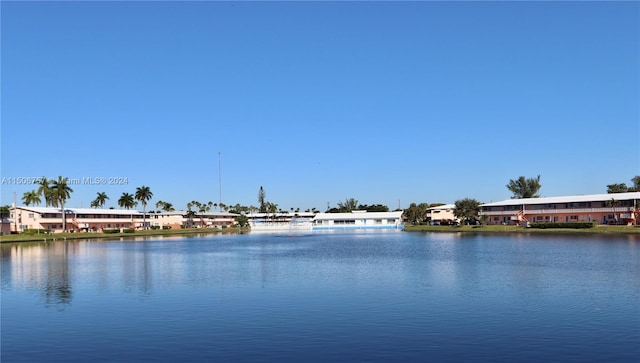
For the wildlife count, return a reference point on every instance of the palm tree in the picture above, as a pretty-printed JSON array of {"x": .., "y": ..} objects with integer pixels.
[
  {"x": 126, "y": 201},
  {"x": 190, "y": 215},
  {"x": 143, "y": 194},
  {"x": 168, "y": 207},
  {"x": 349, "y": 205},
  {"x": 612, "y": 204},
  {"x": 524, "y": 187},
  {"x": 94, "y": 204},
  {"x": 60, "y": 192},
  {"x": 45, "y": 190},
  {"x": 100, "y": 200},
  {"x": 203, "y": 208},
  {"x": 160, "y": 205},
  {"x": 31, "y": 197}
]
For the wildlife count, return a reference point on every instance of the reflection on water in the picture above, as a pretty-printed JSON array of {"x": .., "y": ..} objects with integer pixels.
[{"x": 335, "y": 295}]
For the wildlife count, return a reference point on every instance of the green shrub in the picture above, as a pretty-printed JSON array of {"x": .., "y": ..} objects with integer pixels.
[
  {"x": 155, "y": 228},
  {"x": 110, "y": 230},
  {"x": 36, "y": 231},
  {"x": 574, "y": 225},
  {"x": 128, "y": 230},
  {"x": 166, "y": 227}
]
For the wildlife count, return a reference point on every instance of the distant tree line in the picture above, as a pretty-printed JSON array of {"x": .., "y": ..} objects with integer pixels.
[
  {"x": 351, "y": 204},
  {"x": 623, "y": 188}
]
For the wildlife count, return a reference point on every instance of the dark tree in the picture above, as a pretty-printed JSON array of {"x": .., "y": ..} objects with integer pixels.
[
  {"x": 525, "y": 187},
  {"x": 416, "y": 213},
  {"x": 349, "y": 205},
  {"x": 467, "y": 210},
  {"x": 261, "y": 200},
  {"x": 617, "y": 188},
  {"x": 636, "y": 183}
]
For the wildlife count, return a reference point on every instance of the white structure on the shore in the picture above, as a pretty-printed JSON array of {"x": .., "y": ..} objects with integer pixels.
[
  {"x": 297, "y": 222},
  {"x": 280, "y": 222},
  {"x": 358, "y": 220}
]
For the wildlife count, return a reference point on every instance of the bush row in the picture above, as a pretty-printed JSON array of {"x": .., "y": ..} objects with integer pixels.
[
  {"x": 36, "y": 231},
  {"x": 575, "y": 225},
  {"x": 116, "y": 230}
]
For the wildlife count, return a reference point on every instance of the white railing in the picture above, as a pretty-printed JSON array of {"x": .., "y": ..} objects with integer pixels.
[{"x": 559, "y": 211}]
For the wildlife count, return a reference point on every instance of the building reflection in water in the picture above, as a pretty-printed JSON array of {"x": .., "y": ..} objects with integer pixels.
[{"x": 41, "y": 267}]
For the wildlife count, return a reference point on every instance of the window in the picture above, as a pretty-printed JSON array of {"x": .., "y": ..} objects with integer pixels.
[
  {"x": 346, "y": 221},
  {"x": 30, "y": 215}
]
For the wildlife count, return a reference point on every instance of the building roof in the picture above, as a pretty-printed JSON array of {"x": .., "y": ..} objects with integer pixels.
[
  {"x": 285, "y": 214},
  {"x": 445, "y": 206},
  {"x": 566, "y": 199},
  {"x": 358, "y": 215},
  {"x": 43, "y": 210}
]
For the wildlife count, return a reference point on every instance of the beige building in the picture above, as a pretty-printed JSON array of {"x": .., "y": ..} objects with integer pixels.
[
  {"x": 95, "y": 220},
  {"x": 442, "y": 214}
]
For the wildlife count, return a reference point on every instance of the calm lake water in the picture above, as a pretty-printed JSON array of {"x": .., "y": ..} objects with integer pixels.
[{"x": 374, "y": 296}]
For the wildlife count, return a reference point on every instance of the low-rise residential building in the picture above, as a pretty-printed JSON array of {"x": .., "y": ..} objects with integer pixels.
[
  {"x": 95, "y": 220},
  {"x": 358, "y": 220},
  {"x": 5, "y": 225},
  {"x": 442, "y": 214},
  {"x": 616, "y": 208}
]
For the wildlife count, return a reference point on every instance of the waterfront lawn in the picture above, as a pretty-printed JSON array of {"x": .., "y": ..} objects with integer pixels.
[
  {"x": 518, "y": 229},
  {"x": 90, "y": 235}
]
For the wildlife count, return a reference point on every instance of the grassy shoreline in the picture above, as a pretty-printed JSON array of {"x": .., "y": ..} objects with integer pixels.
[
  {"x": 15, "y": 238},
  {"x": 149, "y": 233},
  {"x": 633, "y": 230}
]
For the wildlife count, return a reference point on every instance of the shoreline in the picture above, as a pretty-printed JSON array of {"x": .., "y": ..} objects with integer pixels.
[
  {"x": 599, "y": 230},
  {"x": 492, "y": 229},
  {"x": 18, "y": 238}
]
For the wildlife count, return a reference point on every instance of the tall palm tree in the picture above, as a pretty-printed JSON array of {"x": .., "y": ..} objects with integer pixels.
[
  {"x": 190, "y": 215},
  {"x": 168, "y": 207},
  {"x": 613, "y": 203},
  {"x": 60, "y": 192},
  {"x": 126, "y": 201},
  {"x": 143, "y": 194},
  {"x": 159, "y": 205},
  {"x": 31, "y": 197},
  {"x": 45, "y": 190},
  {"x": 100, "y": 199}
]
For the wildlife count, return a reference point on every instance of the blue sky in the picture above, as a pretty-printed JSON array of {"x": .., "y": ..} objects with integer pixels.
[{"x": 318, "y": 102}]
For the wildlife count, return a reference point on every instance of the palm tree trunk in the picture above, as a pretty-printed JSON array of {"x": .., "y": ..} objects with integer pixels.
[{"x": 64, "y": 217}]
